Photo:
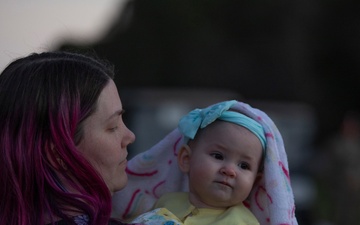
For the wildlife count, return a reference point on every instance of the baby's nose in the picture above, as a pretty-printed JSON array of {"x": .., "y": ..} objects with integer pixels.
[{"x": 228, "y": 171}]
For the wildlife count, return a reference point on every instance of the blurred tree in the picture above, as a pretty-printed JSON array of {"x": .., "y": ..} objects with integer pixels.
[{"x": 300, "y": 50}]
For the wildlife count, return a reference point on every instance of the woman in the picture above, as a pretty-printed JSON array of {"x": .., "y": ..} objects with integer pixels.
[{"x": 63, "y": 143}]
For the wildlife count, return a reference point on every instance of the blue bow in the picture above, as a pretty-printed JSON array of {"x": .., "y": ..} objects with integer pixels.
[{"x": 200, "y": 118}]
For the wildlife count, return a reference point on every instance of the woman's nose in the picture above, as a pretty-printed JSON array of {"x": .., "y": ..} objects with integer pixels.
[
  {"x": 228, "y": 171},
  {"x": 129, "y": 136}
]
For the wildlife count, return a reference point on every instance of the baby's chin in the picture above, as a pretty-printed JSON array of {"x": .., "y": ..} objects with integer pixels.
[{"x": 220, "y": 204}]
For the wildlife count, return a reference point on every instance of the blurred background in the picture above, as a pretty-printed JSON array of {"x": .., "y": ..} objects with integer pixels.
[{"x": 299, "y": 61}]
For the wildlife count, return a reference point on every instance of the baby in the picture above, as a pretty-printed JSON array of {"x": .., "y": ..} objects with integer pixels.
[
  {"x": 223, "y": 158},
  {"x": 217, "y": 167}
]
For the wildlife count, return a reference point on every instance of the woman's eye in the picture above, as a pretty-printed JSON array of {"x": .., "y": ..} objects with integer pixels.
[
  {"x": 217, "y": 156},
  {"x": 244, "y": 166},
  {"x": 113, "y": 128}
]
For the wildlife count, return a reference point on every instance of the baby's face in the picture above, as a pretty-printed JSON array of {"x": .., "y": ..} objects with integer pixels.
[{"x": 224, "y": 165}]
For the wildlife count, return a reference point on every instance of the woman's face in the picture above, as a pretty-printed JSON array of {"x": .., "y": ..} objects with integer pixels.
[{"x": 106, "y": 138}]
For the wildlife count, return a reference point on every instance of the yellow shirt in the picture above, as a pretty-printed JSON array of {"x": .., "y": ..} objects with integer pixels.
[{"x": 184, "y": 212}]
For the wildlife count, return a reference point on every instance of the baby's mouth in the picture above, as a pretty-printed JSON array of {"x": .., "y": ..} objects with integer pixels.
[{"x": 224, "y": 183}]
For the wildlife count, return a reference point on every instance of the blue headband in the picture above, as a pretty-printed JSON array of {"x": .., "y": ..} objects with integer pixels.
[{"x": 200, "y": 118}]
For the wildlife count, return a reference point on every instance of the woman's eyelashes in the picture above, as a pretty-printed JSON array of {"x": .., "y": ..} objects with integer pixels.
[{"x": 112, "y": 129}]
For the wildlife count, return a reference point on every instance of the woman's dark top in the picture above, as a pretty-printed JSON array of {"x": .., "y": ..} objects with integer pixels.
[{"x": 84, "y": 219}]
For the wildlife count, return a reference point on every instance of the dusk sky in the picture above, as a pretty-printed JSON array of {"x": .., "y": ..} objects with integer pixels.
[{"x": 40, "y": 25}]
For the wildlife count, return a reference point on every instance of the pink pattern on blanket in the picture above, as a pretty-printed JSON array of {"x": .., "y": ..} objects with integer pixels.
[
  {"x": 128, "y": 207},
  {"x": 286, "y": 172},
  {"x": 176, "y": 145},
  {"x": 269, "y": 135},
  {"x": 257, "y": 196},
  {"x": 156, "y": 187}
]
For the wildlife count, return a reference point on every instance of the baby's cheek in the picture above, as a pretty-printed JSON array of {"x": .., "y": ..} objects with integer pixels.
[{"x": 201, "y": 175}]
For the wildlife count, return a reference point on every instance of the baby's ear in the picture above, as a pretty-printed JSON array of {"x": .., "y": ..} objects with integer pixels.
[
  {"x": 259, "y": 175},
  {"x": 184, "y": 156}
]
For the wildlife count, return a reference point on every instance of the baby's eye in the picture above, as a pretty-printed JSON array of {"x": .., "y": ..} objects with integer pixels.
[
  {"x": 217, "y": 155},
  {"x": 244, "y": 166}
]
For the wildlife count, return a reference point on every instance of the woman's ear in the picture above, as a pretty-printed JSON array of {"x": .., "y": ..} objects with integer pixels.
[
  {"x": 184, "y": 156},
  {"x": 54, "y": 158}
]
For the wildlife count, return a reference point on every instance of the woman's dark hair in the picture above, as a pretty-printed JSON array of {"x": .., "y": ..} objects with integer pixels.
[{"x": 44, "y": 100}]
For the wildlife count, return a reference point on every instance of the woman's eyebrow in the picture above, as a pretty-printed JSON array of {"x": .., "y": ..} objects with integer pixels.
[{"x": 116, "y": 113}]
